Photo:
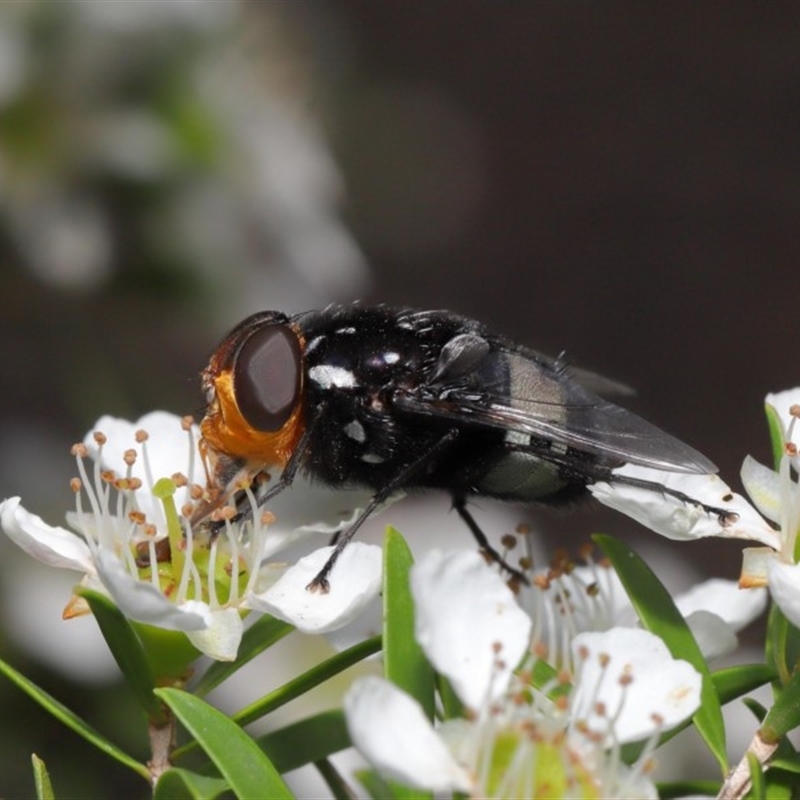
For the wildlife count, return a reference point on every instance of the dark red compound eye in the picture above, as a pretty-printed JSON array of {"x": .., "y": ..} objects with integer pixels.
[{"x": 266, "y": 377}]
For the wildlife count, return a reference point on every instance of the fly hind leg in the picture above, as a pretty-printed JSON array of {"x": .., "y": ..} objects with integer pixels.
[{"x": 460, "y": 505}]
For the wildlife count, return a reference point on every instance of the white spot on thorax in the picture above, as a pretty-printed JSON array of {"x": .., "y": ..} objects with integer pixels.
[
  {"x": 355, "y": 430},
  {"x": 372, "y": 458},
  {"x": 349, "y": 329},
  {"x": 327, "y": 376},
  {"x": 391, "y": 357},
  {"x": 314, "y": 343}
]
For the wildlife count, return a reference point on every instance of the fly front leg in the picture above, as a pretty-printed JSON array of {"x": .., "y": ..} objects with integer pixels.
[{"x": 321, "y": 582}]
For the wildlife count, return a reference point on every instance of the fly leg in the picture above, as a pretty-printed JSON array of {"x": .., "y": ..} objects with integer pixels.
[
  {"x": 286, "y": 478},
  {"x": 725, "y": 517},
  {"x": 460, "y": 505},
  {"x": 321, "y": 582}
]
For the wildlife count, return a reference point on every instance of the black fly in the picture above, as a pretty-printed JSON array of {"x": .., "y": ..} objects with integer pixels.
[{"x": 395, "y": 399}]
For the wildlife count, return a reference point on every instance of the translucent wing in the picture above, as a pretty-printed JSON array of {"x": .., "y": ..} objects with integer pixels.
[{"x": 517, "y": 390}]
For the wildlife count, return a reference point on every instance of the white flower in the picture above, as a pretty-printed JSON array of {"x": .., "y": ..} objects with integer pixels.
[
  {"x": 516, "y": 741},
  {"x": 133, "y": 512},
  {"x": 776, "y": 494},
  {"x": 567, "y": 599}
]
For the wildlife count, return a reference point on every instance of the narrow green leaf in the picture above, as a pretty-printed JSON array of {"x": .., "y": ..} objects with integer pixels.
[
  {"x": 675, "y": 789},
  {"x": 784, "y": 716},
  {"x": 782, "y": 645},
  {"x": 261, "y": 635},
  {"x": 734, "y": 682},
  {"x": 72, "y": 720},
  {"x": 775, "y": 435},
  {"x": 404, "y": 662},
  {"x": 791, "y": 765},
  {"x": 758, "y": 790},
  {"x": 238, "y": 758},
  {"x": 376, "y": 786},
  {"x": 128, "y": 652},
  {"x": 658, "y": 614},
  {"x": 338, "y": 786},
  {"x": 181, "y": 784},
  {"x": 780, "y": 786},
  {"x": 44, "y": 789},
  {"x": 755, "y": 708},
  {"x": 307, "y": 741},
  {"x": 308, "y": 680}
]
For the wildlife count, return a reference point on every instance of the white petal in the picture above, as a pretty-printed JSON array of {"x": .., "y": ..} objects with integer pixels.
[
  {"x": 763, "y": 485},
  {"x": 784, "y": 586},
  {"x": 56, "y": 547},
  {"x": 468, "y": 623},
  {"x": 354, "y": 581},
  {"x": 755, "y": 567},
  {"x": 782, "y": 402},
  {"x": 678, "y": 520},
  {"x": 392, "y": 732},
  {"x": 662, "y": 693},
  {"x": 714, "y": 636},
  {"x": 221, "y": 639},
  {"x": 737, "y": 607},
  {"x": 143, "y": 602},
  {"x": 168, "y": 452}
]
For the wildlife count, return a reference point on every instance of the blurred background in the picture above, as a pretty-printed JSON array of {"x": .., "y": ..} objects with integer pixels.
[{"x": 616, "y": 180}]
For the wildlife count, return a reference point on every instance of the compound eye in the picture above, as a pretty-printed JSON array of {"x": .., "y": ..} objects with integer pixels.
[{"x": 266, "y": 377}]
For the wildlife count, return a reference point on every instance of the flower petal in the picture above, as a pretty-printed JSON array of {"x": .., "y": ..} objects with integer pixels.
[
  {"x": 168, "y": 452},
  {"x": 726, "y": 600},
  {"x": 763, "y": 485},
  {"x": 143, "y": 602},
  {"x": 782, "y": 402},
  {"x": 784, "y": 586},
  {"x": 657, "y": 692},
  {"x": 468, "y": 623},
  {"x": 56, "y": 547},
  {"x": 755, "y": 567},
  {"x": 713, "y": 635},
  {"x": 676, "y": 519},
  {"x": 354, "y": 581},
  {"x": 394, "y": 735},
  {"x": 221, "y": 639}
]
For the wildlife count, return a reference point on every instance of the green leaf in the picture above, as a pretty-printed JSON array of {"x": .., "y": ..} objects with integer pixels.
[
  {"x": 238, "y": 758},
  {"x": 775, "y": 434},
  {"x": 658, "y": 614},
  {"x": 784, "y": 716},
  {"x": 675, "y": 789},
  {"x": 376, "y": 786},
  {"x": 44, "y": 789},
  {"x": 757, "y": 790},
  {"x": 308, "y": 680},
  {"x": 310, "y": 740},
  {"x": 404, "y": 662},
  {"x": 261, "y": 635},
  {"x": 72, "y": 720},
  {"x": 339, "y": 788},
  {"x": 734, "y": 682},
  {"x": 782, "y": 645},
  {"x": 128, "y": 652},
  {"x": 181, "y": 784}
]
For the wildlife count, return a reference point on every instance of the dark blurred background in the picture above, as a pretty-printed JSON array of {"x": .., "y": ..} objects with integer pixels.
[{"x": 617, "y": 180}]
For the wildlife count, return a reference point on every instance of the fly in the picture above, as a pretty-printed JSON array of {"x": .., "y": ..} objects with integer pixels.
[{"x": 397, "y": 399}]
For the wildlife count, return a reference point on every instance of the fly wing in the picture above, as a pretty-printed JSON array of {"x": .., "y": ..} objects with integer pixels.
[{"x": 516, "y": 390}]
